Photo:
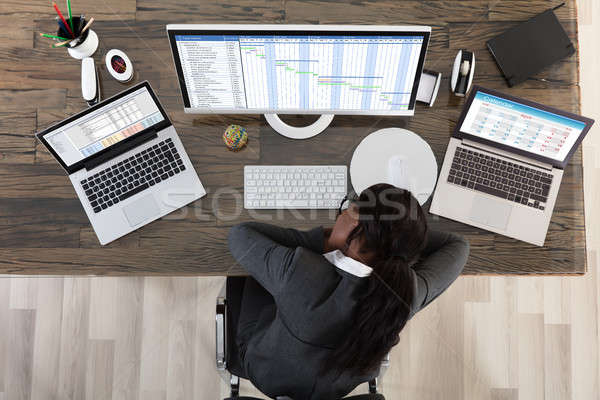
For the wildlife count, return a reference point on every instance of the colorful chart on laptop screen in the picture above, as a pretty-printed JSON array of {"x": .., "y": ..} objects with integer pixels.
[{"x": 521, "y": 126}]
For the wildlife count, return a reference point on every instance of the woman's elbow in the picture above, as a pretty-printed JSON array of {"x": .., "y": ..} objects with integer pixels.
[{"x": 237, "y": 237}]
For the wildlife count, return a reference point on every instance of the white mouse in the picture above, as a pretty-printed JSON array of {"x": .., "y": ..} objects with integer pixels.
[{"x": 462, "y": 72}]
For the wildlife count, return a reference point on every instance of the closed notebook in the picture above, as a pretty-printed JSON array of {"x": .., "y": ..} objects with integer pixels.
[{"x": 529, "y": 47}]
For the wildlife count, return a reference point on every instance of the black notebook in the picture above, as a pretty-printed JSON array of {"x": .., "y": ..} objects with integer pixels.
[{"x": 529, "y": 47}]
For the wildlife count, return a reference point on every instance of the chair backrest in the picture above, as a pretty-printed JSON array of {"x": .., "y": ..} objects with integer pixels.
[{"x": 234, "y": 288}]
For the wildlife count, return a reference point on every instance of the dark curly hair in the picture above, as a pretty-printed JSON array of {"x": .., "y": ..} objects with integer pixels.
[{"x": 393, "y": 227}]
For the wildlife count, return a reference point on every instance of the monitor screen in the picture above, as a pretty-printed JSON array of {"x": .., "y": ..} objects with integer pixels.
[
  {"x": 104, "y": 127},
  {"x": 311, "y": 72},
  {"x": 534, "y": 130}
]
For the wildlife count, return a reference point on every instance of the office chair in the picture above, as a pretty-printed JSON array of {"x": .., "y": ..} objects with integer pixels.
[{"x": 227, "y": 313}]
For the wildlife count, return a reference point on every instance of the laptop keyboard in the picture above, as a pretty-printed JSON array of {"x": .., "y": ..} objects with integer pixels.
[
  {"x": 132, "y": 175},
  {"x": 500, "y": 178}
]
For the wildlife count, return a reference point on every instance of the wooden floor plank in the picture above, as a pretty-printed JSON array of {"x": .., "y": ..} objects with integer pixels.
[
  {"x": 158, "y": 302},
  {"x": 206, "y": 378},
  {"x": 531, "y": 356},
  {"x": 180, "y": 376},
  {"x": 557, "y": 361},
  {"x": 23, "y": 293},
  {"x": 126, "y": 376},
  {"x": 5, "y": 284},
  {"x": 103, "y": 308},
  {"x": 19, "y": 357},
  {"x": 585, "y": 349},
  {"x": 74, "y": 338},
  {"x": 99, "y": 370},
  {"x": 46, "y": 352}
]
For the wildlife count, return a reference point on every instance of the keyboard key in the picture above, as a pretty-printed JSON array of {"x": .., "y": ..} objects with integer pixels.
[
  {"x": 134, "y": 191},
  {"x": 545, "y": 190},
  {"x": 541, "y": 199},
  {"x": 491, "y": 191}
]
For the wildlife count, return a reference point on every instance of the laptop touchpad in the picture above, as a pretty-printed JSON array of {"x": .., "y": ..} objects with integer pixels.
[
  {"x": 141, "y": 210},
  {"x": 494, "y": 213}
]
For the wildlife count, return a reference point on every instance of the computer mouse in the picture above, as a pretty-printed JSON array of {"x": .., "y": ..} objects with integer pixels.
[{"x": 462, "y": 72}]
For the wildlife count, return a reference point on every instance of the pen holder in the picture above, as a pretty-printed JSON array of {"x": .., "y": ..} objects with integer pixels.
[{"x": 82, "y": 46}]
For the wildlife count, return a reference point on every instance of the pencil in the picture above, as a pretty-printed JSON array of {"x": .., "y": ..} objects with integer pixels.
[
  {"x": 62, "y": 18},
  {"x": 61, "y": 43},
  {"x": 70, "y": 17},
  {"x": 87, "y": 26},
  {"x": 53, "y": 36}
]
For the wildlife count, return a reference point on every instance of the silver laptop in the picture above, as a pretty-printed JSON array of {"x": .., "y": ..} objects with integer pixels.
[
  {"x": 504, "y": 164},
  {"x": 125, "y": 161}
]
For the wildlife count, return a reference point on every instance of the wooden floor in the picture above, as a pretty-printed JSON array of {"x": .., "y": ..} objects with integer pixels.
[{"x": 152, "y": 338}]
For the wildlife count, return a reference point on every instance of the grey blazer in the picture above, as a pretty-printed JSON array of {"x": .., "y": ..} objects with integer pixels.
[{"x": 315, "y": 303}]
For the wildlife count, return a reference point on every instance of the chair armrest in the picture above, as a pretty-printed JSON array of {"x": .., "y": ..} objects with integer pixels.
[{"x": 221, "y": 333}]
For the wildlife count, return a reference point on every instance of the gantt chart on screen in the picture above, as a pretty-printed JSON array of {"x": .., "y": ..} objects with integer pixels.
[{"x": 369, "y": 73}]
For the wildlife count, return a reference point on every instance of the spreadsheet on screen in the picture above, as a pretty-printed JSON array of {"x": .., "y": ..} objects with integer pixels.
[
  {"x": 521, "y": 126},
  {"x": 104, "y": 127},
  {"x": 367, "y": 73}
]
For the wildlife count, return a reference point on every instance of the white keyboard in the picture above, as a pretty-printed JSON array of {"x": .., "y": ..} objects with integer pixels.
[{"x": 294, "y": 186}]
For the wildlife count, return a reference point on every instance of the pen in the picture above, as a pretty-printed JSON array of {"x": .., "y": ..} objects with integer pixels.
[
  {"x": 70, "y": 17},
  {"x": 53, "y": 36},
  {"x": 62, "y": 18}
]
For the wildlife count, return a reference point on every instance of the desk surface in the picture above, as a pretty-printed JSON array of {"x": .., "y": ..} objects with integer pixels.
[{"x": 43, "y": 229}]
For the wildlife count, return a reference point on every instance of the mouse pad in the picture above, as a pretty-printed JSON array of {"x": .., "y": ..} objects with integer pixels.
[
  {"x": 490, "y": 212},
  {"x": 141, "y": 210}
]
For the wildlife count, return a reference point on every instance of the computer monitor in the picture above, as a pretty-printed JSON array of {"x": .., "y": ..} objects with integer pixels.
[{"x": 299, "y": 69}]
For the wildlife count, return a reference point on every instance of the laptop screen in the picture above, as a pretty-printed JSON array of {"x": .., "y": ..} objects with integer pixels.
[
  {"x": 104, "y": 127},
  {"x": 523, "y": 127}
]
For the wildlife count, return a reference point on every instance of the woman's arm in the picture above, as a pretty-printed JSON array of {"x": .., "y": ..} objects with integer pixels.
[
  {"x": 443, "y": 259},
  {"x": 267, "y": 252},
  {"x": 312, "y": 239}
]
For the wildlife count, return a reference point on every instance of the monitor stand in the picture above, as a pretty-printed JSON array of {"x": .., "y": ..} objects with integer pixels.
[{"x": 294, "y": 132}]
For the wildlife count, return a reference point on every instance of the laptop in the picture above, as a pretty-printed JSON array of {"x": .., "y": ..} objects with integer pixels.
[
  {"x": 125, "y": 161},
  {"x": 504, "y": 164}
]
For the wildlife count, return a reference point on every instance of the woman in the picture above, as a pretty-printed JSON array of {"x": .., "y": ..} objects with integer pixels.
[{"x": 325, "y": 306}]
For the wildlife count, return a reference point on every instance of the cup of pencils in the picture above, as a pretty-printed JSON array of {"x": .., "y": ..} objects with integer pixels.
[{"x": 74, "y": 33}]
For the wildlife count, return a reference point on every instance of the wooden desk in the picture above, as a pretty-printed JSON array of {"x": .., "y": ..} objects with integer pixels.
[{"x": 43, "y": 229}]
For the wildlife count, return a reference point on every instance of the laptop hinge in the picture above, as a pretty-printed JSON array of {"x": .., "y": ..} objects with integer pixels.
[
  {"x": 120, "y": 149},
  {"x": 507, "y": 154}
]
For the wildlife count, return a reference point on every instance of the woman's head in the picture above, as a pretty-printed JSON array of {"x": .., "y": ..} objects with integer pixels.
[
  {"x": 383, "y": 223},
  {"x": 386, "y": 229}
]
